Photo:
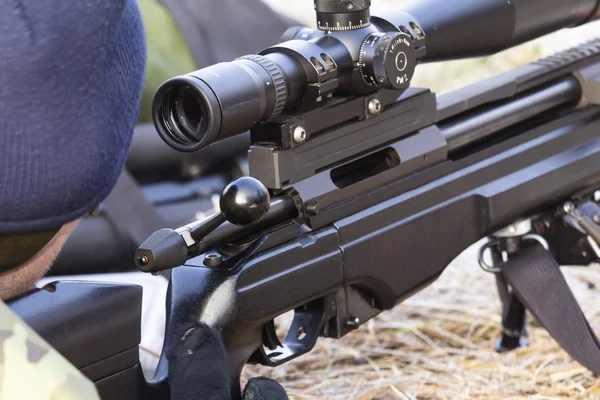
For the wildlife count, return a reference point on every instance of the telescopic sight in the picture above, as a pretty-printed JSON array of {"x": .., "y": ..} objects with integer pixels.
[{"x": 203, "y": 107}]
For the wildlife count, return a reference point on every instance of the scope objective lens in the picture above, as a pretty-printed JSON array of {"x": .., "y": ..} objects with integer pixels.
[
  {"x": 195, "y": 110},
  {"x": 187, "y": 114},
  {"x": 190, "y": 111}
]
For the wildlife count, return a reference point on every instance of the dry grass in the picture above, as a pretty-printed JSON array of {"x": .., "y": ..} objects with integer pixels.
[{"x": 439, "y": 345}]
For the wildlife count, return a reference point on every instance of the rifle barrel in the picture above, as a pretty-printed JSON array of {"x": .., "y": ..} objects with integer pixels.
[
  {"x": 480, "y": 124},
  {"x": 469, "y": 28}
]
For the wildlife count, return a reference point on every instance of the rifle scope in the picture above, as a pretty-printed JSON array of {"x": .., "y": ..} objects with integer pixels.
[{"x": 352, "y": 55}]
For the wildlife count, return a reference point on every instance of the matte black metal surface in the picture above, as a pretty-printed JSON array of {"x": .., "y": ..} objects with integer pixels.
[
  {"x": 163, "y": 250},
  {"x": 479, "y": 199},
  {"x": 277, "y": 168},
  {"x": 226, "y": 297},
  {"x": 282, "y": 209},
  {"x": 124, "y": 385},
  {"x": 298, "y": 276},
  {"x": 489, "y": 96},
  {"x": 471, "y": 128},
  {"x": 468, "y": 28},
  {"x": 245, "y": 201},
  {"x": 413, "y": 153},
  {"x": 392, "y": 248},
  {"x": 519, "y": 80},
  {"x": 114, "y": 364},
  {"x": 85, "y": 322}
]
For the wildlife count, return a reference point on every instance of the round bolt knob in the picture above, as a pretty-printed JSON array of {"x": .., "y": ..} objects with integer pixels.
[{"x": 245, "y": 201}]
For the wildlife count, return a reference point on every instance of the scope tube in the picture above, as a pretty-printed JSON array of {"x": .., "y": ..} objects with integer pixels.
[
  {"x": 192, "y": 111},
  {"x": 469, "y": 28},
  {"x": 466, "y": 130}
]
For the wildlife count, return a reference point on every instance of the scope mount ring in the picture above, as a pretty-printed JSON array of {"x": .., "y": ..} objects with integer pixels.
[{"x": 495, "y": 241}]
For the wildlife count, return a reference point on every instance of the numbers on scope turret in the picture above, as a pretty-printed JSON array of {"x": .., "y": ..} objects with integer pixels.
[
  {"x": 387, "y": 60},
  {"x": 339, "y": 27},
  {"x": 370, "y": 42}
]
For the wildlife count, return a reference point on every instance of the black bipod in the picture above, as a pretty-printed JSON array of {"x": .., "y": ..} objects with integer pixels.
[{"x": 502, "y": 246}]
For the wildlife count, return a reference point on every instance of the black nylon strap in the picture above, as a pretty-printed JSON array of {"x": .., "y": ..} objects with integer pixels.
[
  {"x": 537, "y": 281},
  {"x": 130, "y": 212}
]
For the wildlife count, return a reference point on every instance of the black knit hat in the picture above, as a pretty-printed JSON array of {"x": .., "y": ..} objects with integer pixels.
[{"x": 71, "y": 76}]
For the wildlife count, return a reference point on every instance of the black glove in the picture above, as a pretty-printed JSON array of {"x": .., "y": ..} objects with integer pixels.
[{"x": 198, "y": 369}]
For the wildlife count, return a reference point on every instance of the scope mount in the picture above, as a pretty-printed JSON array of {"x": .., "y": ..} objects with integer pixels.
[
  {"x": 342, "y": 15},
  {"x": 356, "y": 100},
  {"x": 288, "y": 149}
]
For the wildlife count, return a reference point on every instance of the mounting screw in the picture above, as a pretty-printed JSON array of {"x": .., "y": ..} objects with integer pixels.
[
  {"x": 374, "y": 106},
  {"x": 352, "y": 323},
  {"x": 299, "y": 134},
  {"x": 312, "y": 208},
  {"x": 597, "y": 196},
  {"x": 212, "y": 260}
]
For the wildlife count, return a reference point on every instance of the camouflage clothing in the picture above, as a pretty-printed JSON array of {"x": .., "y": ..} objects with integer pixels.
[{"x": 31, "y": 369}]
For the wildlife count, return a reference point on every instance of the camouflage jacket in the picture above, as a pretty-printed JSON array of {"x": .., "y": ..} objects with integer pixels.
[{"x": 31, "y": 369}]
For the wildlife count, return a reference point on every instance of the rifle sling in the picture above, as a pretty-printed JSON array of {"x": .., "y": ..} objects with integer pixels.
[
  {"x": 130, "y": 212},
  {"x": 537, "y": 281}
]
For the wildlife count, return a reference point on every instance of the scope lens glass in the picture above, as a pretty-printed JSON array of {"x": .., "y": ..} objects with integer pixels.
[{"x": 188, "y": 115}]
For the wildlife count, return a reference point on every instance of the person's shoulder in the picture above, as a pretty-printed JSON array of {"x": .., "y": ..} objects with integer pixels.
[{"x": 31, "y": 368}]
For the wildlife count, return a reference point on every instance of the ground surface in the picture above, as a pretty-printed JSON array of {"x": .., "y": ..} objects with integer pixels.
[{"x": 439, "y": 344}]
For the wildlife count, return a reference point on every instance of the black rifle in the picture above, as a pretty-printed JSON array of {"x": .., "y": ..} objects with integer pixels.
[{"x": 363, "y": 190}]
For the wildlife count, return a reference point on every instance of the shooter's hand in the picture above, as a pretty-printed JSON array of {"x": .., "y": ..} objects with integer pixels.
[{"x": 198, "y": 369}]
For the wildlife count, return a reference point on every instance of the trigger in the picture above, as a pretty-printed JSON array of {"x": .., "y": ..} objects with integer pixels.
[{"x": 270, "y": 339}]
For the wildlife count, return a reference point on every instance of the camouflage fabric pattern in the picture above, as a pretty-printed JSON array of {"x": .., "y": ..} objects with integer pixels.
[{"x": 31, "y": 369}]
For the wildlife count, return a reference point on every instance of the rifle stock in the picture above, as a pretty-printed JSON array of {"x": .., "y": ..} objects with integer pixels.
[{"x": 355, "y": 258}]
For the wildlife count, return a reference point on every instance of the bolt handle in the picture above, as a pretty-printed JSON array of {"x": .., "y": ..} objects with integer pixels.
[
  {"x": 243, "y": 202},
  {"x": 164, "y": 249}
]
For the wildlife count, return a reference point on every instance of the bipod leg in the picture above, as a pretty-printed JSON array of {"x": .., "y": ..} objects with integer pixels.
[
  {"x": 502, "y": 247},
  {"x": 513, "y": 325},
  {"x": 513, "y": 312}
]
